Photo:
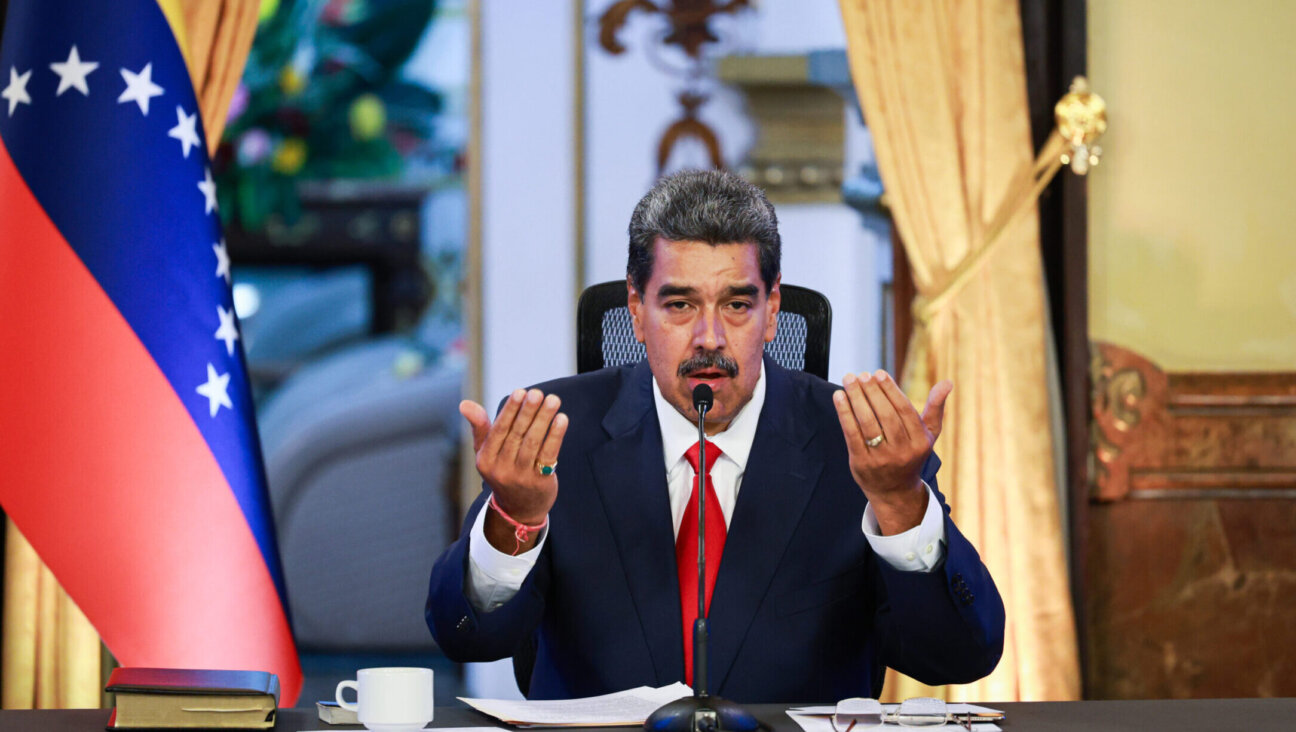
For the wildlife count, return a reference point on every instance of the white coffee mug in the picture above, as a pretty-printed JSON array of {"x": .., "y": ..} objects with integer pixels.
[{"x": 390, "y": 699}]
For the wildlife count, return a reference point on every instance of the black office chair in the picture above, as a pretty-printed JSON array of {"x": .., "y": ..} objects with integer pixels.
[{"x": 605, "y": 335}]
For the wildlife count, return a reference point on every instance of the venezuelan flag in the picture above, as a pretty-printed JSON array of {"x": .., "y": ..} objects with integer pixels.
[{"x": 129, "y": 455}]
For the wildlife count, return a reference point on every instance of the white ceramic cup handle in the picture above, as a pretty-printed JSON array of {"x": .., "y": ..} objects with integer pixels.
[{"x": 346, "y": 704}]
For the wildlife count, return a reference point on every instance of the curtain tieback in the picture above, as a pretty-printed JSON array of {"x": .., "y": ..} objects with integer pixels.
[
  {"x": 1022, "y": 194},
  {"x": 1024, "y": 190}
]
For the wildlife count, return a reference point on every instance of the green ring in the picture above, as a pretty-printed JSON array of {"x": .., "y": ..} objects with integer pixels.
[{"x": 546, "y": 469}]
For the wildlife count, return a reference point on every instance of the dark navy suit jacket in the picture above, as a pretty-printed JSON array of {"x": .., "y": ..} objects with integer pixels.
[{"x": 802, "y": 611}]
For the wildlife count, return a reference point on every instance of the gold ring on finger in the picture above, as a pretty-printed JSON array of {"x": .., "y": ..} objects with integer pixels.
[
  {"x": 874, "y": 442},
  {"x": 546, "y": 469}
]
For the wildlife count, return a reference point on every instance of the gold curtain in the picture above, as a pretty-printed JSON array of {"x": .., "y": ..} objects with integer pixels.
[
  {"x": 215, "y": 37},
  {"x": 52, "y": 654},
  {"x": 942, "y": 84}
]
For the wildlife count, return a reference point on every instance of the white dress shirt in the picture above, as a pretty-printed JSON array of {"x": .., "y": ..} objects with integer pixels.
[{"x": 495, "y": 577}]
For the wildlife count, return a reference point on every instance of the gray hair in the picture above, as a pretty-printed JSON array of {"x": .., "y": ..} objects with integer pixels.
[{"x": 712, "y": 206}]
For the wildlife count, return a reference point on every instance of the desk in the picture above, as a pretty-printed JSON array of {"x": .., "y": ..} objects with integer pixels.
[{"x": 1252, "y": 715}]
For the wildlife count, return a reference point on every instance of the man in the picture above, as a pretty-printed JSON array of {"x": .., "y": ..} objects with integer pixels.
[{"x": 838, "y": 554}]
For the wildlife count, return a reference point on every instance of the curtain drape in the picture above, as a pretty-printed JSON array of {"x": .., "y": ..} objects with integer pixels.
[
  {"x": 52, "y": 654},
  {"x": 215, "y": 37},
  {"x": 942, "y": 85}
]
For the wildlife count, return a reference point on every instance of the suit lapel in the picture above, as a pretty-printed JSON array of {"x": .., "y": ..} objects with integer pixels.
[
  {"x": 631, "y": 478},
  {"x": 776, "y": 486}
]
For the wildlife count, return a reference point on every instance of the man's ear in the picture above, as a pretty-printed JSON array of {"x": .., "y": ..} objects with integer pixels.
[
  {"x": 635, "y": 303},
  {"x": 772, "y": 304}
]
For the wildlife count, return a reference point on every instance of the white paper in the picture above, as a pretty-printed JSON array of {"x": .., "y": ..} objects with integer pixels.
[
  {"x": 819, "y": 719},
  {"x": 440, "y": 729},
  {"x": 620, "y": 709}
]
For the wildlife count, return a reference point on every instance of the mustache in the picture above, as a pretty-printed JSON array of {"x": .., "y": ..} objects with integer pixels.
[{"x": 709, "y": 360}]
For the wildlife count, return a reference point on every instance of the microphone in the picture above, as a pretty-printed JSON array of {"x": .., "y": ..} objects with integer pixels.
[
  {"x": 701, "y": 712},
  {"x": 703, "y": 398}
]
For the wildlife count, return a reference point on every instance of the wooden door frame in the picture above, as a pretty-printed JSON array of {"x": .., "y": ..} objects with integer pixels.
[{"x": 1055, "y": 41}]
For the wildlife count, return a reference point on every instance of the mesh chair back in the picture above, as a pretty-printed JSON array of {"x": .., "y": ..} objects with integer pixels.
[{"x": 605, "y": 334}]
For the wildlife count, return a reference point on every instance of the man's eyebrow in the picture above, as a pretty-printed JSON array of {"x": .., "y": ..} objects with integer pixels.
[
  {"x": 669, "y": 290},
  {"x": 742, "y": 291}
]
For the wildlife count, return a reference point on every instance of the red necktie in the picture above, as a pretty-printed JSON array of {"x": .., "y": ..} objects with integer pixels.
[{"x": 686, "y": 551}]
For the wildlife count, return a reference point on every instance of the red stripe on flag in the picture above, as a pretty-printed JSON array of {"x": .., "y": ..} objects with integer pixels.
[{"x": 104, "y": 471}]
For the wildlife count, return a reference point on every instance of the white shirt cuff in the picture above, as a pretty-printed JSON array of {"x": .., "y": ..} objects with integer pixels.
[
  {"x": 493, "y": 576},
  {"x": 919, "y": 549}
]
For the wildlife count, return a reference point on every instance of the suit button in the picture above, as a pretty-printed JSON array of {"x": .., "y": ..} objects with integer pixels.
[{"x": 463, "y": 623}]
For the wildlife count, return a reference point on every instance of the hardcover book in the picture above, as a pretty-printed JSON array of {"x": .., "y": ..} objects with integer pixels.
[{"x": 173, "y": 698}]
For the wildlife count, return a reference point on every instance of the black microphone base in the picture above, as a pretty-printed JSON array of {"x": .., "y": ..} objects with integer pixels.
[{"x": 701, "y": 714}]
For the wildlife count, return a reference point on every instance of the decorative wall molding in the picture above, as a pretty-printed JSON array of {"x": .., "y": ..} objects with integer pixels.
[
  {"x": 1189, "y": 595},
  {"x": 689, "y": 23},
  {"x": 1189, "y": 435},
  {"x": 798, "y": 156}
]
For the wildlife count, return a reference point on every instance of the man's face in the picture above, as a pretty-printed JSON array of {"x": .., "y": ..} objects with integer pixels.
[{"x": 704, "y": 318}]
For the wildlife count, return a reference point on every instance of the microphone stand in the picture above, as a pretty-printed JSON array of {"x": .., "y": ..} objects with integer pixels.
[{"x": 701, "y": 712}]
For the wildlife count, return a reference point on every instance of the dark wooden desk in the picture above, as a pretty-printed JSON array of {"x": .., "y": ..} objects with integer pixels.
[{"x": 1251, "y": 715}]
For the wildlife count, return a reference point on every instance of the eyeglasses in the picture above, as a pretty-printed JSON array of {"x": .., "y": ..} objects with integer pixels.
[
  {"x": 924, "y": 711},
  {"x": 853, "y": 715},
  {"x": 867, "y": 713}
]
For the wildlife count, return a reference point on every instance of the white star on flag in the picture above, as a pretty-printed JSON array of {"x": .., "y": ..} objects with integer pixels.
[
  {"x": 227, "y": 331},
  {"x": 140, "y": 88},
  {"x": 208, "y": 188},
  {"x": 16, "y": 92},
  {"x": 216, "y": 390},
  {"x": 186, "y": 130},
  {"x": 73, "y": 72},
  {"x": 222, "y": 261}
]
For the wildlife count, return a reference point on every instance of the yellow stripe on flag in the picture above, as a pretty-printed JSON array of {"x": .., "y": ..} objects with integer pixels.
[{"x": 175, "y": 16}]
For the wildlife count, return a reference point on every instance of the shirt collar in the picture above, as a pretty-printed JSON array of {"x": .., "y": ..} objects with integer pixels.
[{"x": 679, "y": 433}]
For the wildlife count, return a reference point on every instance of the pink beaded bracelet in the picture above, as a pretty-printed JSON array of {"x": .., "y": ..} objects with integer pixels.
[{"x": 521, "y": 531}]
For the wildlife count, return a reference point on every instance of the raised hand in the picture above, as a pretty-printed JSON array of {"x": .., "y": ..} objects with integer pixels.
[
  {"x": 888, "y": 442},
  {"x": 511, "y": 454}
]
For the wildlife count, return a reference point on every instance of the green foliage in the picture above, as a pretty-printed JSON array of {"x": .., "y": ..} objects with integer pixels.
[{"x": 322, "y": 97}]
